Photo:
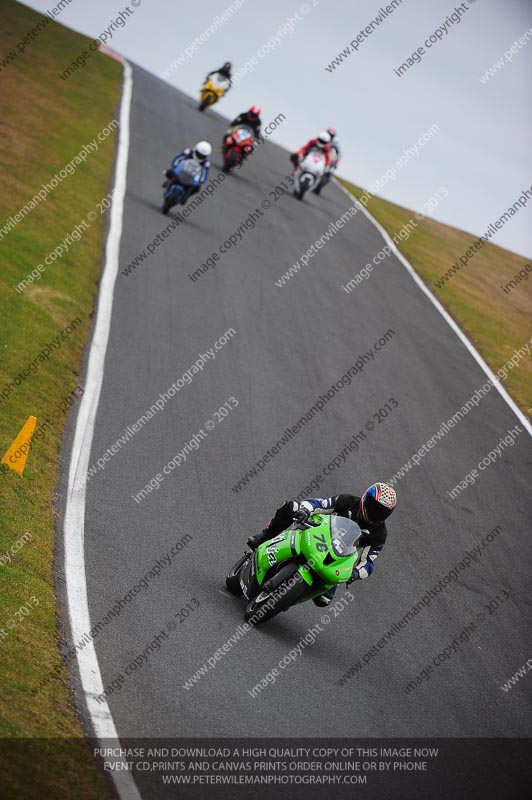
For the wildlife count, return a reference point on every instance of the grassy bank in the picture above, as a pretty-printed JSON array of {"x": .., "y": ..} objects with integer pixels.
[
  {"x": 497, "y": 321},
  {"x": 46, "y": 123}
]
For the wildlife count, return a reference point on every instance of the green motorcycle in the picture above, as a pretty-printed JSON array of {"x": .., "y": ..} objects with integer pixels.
[{"x": 297, "y": 565}]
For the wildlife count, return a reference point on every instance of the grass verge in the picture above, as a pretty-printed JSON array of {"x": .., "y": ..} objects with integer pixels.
[
  {"x": 44, "y": 325},
  {"x": 495, "y": 320}
]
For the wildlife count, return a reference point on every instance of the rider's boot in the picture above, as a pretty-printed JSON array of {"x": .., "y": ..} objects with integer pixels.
[
  {"x": 259, "y": 538},
  {"x": 325, "y": 598},
  {"x": 279, "y": 522}
]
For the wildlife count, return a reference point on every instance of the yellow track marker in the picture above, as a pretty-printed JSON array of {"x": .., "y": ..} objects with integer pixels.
[{"x": 16, "y": 456}]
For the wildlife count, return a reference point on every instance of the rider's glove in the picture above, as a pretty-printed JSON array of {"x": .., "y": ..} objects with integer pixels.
[
  {"x": 302, "y": 515},
  {"x": 294, "y": 158},
  {"x": 361, "y": 573},
  {"x": 365, "y": 566}
]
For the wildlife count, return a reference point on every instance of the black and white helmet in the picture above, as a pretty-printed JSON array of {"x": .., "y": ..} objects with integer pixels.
[{"x": 324, "y": 138}]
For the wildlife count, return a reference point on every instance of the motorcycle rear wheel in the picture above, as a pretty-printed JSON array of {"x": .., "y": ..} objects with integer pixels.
[{"x": 232, "y": 580}]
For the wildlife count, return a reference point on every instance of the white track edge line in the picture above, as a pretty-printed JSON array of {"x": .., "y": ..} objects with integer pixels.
[
  {"x": 445, "y": 314},
  {"x": 74, "y": 523}
]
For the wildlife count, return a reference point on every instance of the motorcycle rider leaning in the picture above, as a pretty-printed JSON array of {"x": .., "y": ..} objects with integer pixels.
[
  {"x": 334, "y": 147},
  {"x": 368, "y": 511},
  {"x": 224, "y": 72},
  {"x": 250, "y": 118},
  {"x": 321, "y": 143},
  {"x": 201, "y": 153}
]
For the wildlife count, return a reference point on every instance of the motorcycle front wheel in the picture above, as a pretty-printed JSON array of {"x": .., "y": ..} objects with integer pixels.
[
  {"x": 167, "y": 205},
  {"x": 268, "y": 604},
  {"x": 304, "y": 184},
  {"x": 206, "y": 102},
  {"x": 231, "y": 161},
  {"x": 170, "y": 198}
]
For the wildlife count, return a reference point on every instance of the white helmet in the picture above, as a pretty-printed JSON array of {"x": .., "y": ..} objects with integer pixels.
[
  {"x": 202, "y": 150},
  {"x": 324, "y": 137}
]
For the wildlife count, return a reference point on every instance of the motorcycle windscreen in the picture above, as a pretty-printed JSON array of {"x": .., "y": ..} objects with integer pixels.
[
  {"x": 219, "y": 82},
  {"x": 313, "y": 163},
  {"x": 188, "y": 171},
  {"x": 242, "y": 134},
  {"x": 344, "y": 536}
]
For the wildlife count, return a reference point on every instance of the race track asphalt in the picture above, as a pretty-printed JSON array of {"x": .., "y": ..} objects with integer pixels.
[{"x": 290, "y": 345}]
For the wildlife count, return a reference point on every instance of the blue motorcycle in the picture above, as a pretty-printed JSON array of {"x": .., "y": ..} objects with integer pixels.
[{"x": 185, "y": 177}]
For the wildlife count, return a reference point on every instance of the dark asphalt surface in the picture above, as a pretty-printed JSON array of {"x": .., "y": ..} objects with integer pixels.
[{"x": 290, "y": 345}]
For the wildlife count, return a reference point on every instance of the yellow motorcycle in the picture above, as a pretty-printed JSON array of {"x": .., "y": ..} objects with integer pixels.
[{"x": 212, "y": 90}]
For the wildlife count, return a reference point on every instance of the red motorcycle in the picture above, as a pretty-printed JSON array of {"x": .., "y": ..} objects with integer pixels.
[{"x": 237, "y": 145}]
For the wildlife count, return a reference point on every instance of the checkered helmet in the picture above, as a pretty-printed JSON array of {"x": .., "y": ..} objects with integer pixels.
[{"x": 378, "y": 502}]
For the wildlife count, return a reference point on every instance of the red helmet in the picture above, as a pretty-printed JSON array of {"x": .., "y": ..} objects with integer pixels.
[{"x": 254, "y": 111}]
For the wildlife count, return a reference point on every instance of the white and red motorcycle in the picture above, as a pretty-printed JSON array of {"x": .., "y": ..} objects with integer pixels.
[{"x": 309, "y": 172}]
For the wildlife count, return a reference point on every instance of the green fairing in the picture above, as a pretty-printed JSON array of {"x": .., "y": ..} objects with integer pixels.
[
  {"x": 315, "y": 546},
  {"x": 295, "y": 566}
]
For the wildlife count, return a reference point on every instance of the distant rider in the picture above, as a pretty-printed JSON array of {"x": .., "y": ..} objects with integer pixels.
[
  {"x": 200, "y": 153},
  {"x": 336, "y": 153},
  {"x": 368, "y": 511},
  {"x": 334, "y": 147},
  {"x": 224, "y": 72},
  {"x": 250, "y": 118},
  {"x": 321, "y": 143}
]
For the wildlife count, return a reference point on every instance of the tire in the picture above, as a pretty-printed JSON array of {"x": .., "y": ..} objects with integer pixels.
[
  {"x": 169, "y": 200},
  {"x": 231, "y": 161},
  {"x": 304, "y": 185},
  {"x": 232, "y": 580},
  {"x": 268, "y": 604},
  {"x": 206, "y": 102}
]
